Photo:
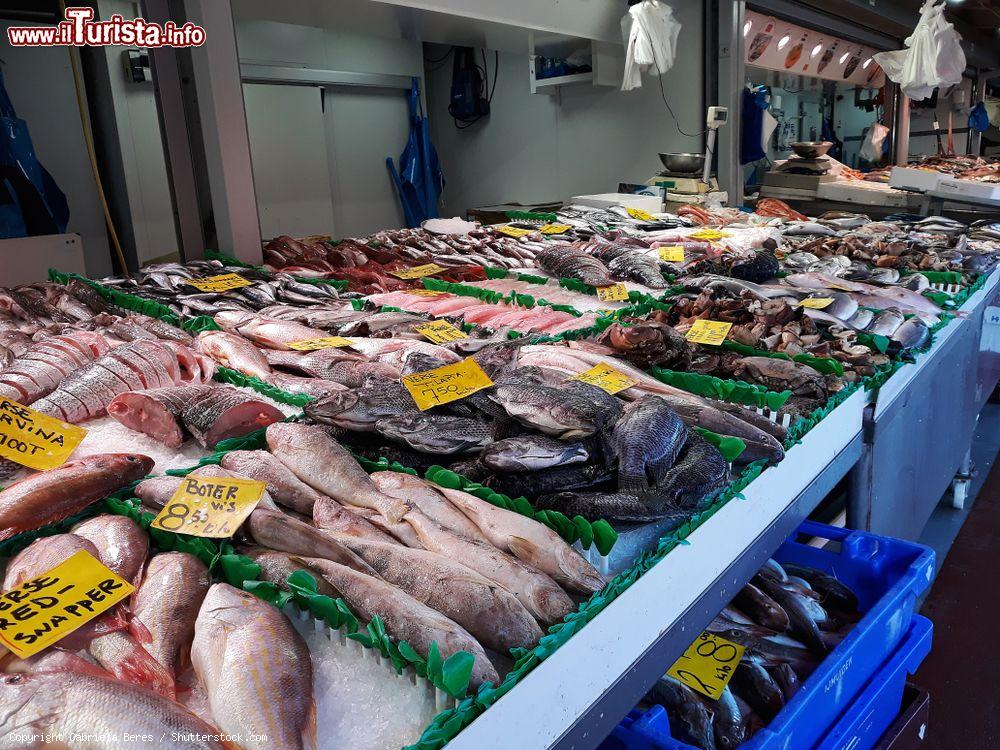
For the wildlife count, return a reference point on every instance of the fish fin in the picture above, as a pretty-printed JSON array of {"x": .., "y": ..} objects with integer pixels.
[
  {"x": 138, "y": 667},
  {"x": 632, "y": 481},
  {"x": 523, "y": 549}
]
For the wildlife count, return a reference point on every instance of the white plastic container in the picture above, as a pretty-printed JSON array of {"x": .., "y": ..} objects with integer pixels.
[{"x": 650, "y": 203}]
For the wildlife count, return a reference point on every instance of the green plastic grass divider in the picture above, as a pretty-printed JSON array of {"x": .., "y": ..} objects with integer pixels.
[
  {"x": 723, "y": 389},
  {"x": 530, "y": 215},
  {"x": 229, "y": 260}
]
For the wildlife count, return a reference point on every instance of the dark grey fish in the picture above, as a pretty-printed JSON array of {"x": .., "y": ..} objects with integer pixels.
[
  {"x": 730, "y": 722},
  {"x": 761, "y": 608},
  {"x": 834, "y": 593},
  {"x": 532, "y": 484},
  {"x": 700, "y": 471},
  {"x": 754, "y": 684},
  {"x": 645, "y": 443},
  {"x": 440, "y": 434},
  {"x": 532, "y": 453},
  {"x": 560, "y": 412},
  {"x": 638, "y": 267},
  {"x": 623, "y": 507},
  {"x": 359, "y": 410},
  {"x": 787, "y": 680},
  {"x": 801, "y": 622},
  {"x": 690, "y": 721},
  {"x": 564, "y": 260}
]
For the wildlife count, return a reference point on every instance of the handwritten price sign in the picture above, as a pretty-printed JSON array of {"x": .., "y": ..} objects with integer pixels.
[
  {"x": 708, "y": 664},
  {"x": 211, "y": 507},
  {"x": 442, "y": 385},
  {"x": 35, "y": 440}
]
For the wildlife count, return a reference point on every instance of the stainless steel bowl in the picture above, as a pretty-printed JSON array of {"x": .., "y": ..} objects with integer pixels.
[
  {"x": 811, "y": 149},
  {"x": 683, "y": 163}
]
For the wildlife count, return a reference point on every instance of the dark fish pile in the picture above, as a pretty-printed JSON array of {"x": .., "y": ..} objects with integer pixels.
[
  {"x": 572, "y": 262},
  {"x": 167, "y": 283},
  {"x": 788, "y": 618}
]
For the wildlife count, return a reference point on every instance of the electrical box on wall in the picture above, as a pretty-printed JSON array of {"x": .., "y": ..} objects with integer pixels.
[{"x": 137, "y": 66}]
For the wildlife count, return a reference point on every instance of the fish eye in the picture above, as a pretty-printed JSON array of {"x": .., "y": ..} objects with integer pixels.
[{"x": 13, "y": 679}]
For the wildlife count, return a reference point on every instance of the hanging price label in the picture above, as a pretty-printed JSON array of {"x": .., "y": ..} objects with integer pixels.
[
  {"x": 638, "y": 213},
  {"x": 442, "y": 385},
  {"x": 554, "y": 228},
  {"x": 325, "y": 342},
  {"x": 212, "y": 507},
  {"x": 816, "y": 303},
  {"x": 708, "y": 664},
  {"x": 418, "y": 272},
  {"x": 606, "y": 378},
  {"x": 46, "y": 609},
  {"x": 221, "y": 283},
  {"x": 440, "y": 332},
  {"x": 672, "y": 254},
  {"x": 35, "y": 440},
  {"x": 614, "y": 293},
  {"x": 711, "y": 332},
  {"x": 513, "y": 231}
]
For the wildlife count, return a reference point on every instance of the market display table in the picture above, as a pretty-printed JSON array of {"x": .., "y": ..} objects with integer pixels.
[
  {"x": 919, "y": 428},
  {"x": 575, "y": 697}
]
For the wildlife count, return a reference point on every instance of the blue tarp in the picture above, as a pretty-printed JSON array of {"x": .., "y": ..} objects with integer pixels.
[{"x": 419, "y": 180}]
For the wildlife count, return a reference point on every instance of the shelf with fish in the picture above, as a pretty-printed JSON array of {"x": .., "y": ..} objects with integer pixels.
[{"x": 191, "y": 598}]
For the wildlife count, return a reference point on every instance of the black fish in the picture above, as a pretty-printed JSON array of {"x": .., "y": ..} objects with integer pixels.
[
  {"x": 700, "y": 471},
  {"x": 690, "y": 721},
  {"x": 801, "y": 623},
  {"x": 761, "y": 608},
  {"x": 645, "y": 443},
  {"x": 534, "y": 483},
  {"x": 752, "y": 683},
  {"x": 835, "y": 594},
  {"x": 623, "y": 507}
]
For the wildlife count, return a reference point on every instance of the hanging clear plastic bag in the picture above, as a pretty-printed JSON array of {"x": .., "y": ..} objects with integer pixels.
[
  {"x": 932, "y": 58},
  {"x": 650, "y": 32},
  {"x": 871, "y": 146}
]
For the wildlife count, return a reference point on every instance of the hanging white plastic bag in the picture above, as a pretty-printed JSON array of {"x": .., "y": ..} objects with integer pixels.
[
  {"x": 871, "y": 147},
  {"x": 650, "y": 34},
  {"x": 932, "y": 57}
]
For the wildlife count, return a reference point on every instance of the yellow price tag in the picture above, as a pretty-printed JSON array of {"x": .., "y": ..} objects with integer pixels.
[
  {"x": 440, "y": 332},
  {"x": 816, "y": 303},
  {"x": 606, "y": 378},
  {"x": 221, "y": 283},
  {"x": 46, "y": 609},
  {"x": 708, "y": 235},
  {"x": 712, "y": 332},
  {"x": 35, "y": 440},
  {"x": 442, "y": 385},
  {"x": 325, "y": 342},
  {"x": 418, "y": 272},
  {"x": 638, "y": 213},
  {"x": 708, "y": 664},
  {"x": 212, "y": 507},
  {"x": 839, "y": 287},
  {"x": 513, "y": 231},
  {"x": 614, "y": 293},
  {"x": 554, "y": 228},
  {"x": 424, "y": 293},
  {"x": 672, "y": 254}
]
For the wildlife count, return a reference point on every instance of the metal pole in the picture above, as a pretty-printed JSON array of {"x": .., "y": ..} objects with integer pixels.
[
  {"x": 902, "y": 130},
  {"x": 223, "y": 126},
  {"x": 180, "y": 156},
  {"x": 732, "y": 72}
]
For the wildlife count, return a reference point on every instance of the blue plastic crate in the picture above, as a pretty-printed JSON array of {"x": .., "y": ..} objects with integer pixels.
[
  {"x": 871, "y": 714},
  {"x": 887, "y": 575}
]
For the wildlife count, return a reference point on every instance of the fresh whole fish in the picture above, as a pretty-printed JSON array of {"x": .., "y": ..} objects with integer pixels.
[
  {"x": 256, "y": 670},
  {"x": 690, "y": 721},
  {"x": 438, "y": 434},
  {"x": 121, "y": 544},
  {"x": 801, "y": 623},
  {"x": 173, "y": 587},
  {"x": 488, "y": 611},
  {"x": 282, "y": 485},
  {"x": 559, "y": 413},
  {"x": 58, "y": 493},
  {"x": 886, "y": 322},
  {"x": 762, "y": 608},
  {"x": 645, "y": 443},
  {"x": 913, "y": 333},
  {"x": 622, "y": 507},
  {"x": 325, "y": 466},
  {"x": 81, "y": 704},
  {"x": 786, "y": 678},
  {"x": 569, "y": 261},
  {"x": 283, "y": 533},
  {"x": 532, "y": 453},
  {"x": 404, "y": 617},
  {"x": 729, "y": 720},
  {"x": 360, "y": 409},
  {"x": 210, "y": 414},
  {"x": 529, "y": 541},
  {"x": 351, "y": 370},
  {"x": 429, "y": 499},
  {"x": 591, "y": 476},
  {"x": 834, "y": 593},
  {"x": 536, "y": 591},
  {"x": 44, "y": 554},
  {"x": 699, "y": 472},
  {"x": 754, "y": 685},
  {"x": 267, "y": 332}
]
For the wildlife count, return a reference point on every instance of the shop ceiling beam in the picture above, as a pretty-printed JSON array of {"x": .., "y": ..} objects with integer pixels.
[
  {"x": 809, "y": 17},
  {"x": 580, "y": 18}
]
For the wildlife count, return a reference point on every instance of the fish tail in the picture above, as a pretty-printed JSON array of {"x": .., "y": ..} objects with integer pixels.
[
  {"x": 126, "y": 659},
  {"x": 632, "y": 479}
]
